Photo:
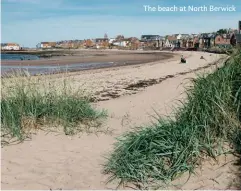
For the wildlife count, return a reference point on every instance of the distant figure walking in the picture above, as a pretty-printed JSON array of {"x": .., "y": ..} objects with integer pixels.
[{"x": 183, "y": 60}]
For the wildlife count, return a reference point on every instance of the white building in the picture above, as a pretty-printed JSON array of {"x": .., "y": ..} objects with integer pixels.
[
  {"x": 170, "y": 42},
  {"x": 111, "y": 40},
  {"x": 10, "y": 46},
  {"x": 182, "y": 36},
  {"x": 46, "y": 45},
  {"x": 122, "y": 43}
]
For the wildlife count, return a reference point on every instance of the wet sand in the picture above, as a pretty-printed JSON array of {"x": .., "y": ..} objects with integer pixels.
[
  {"x": 128, "y": 57},
  {"x": 83, "y": 60}
]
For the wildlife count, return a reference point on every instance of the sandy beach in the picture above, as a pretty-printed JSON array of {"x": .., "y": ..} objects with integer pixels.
[{"x": 131, "y": 95}]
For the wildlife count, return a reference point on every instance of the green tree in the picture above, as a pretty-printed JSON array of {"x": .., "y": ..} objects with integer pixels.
[{"x": 222, "y": 31}]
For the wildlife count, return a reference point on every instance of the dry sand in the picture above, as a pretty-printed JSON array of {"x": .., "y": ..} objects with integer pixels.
[{"x": 56, "y": 161}]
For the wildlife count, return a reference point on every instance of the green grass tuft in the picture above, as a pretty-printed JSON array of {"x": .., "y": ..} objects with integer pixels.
[
  {"x": 209, "y": 116},
  {"x": 27, "y": 103}
]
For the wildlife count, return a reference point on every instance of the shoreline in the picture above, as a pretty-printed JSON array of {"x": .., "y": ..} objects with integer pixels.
[
  {"x": 95, "y": 56},
  {"x": 84, "y": 61}
]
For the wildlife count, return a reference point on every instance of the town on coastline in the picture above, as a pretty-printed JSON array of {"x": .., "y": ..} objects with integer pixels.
[{"x": 223, "y": 38}]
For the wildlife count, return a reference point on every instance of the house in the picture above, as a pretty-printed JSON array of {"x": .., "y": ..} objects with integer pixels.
[
  {"x": 196, "y": 42},
  {"x": 182, "y": 36},
  {"x": 235, "y": 39},
  {"x": 111, "y": 40},
  {"x": 122, "y": 43},
  {"x": 182, "y": 40},
  {"x": 206, "y": 40},
  {"x": 150, "y": 37},
  {"x": 101, "y": 42},
  {"x": 10, "y": 46},
  {"x": 156, "y": 41},
  {"x": 223, "y": 40},
  {"x": 70, "y": 44},
  {"x": 192, "y": 41},
  {"x": 238, "y": 39},
  {"x": 46, "y": 45},
  {"x": 134, "y": 43},
  {"x": 167, "y": 43},
  {"x": 162, "y": 41},
  {"x": 171, "y": 41}
]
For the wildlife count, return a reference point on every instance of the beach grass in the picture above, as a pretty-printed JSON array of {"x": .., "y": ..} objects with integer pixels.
[
  {"x": 207, "y": 121},
  {"x": 29, "y": 103}
]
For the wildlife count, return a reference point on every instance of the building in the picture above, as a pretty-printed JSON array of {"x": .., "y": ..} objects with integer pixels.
[
  {"x": 235, "y": 40},
  {"x": 206, "y": 40},
  {"x": 171, "y": 41},
  {"x": 162, "y": 41},
  {"x": 131, "y": 42},
  {"x": 101, "y": 42},
  {"x": 10, "y": 46},
  {"x": 70, "y": 44},
  {"x": 182, "y": 39},
  {"x": 238, "y": 39},
  {"x": 122, "y": 43},
  {"x": 46, "y": 45},
  {"x": 134, "y": 43},
  {"x": 192, "y": 41},
  {"x": 150, "y": 37},
  {"x": 154, "y": 41},
  {"x": 223, "y": 40},
  {"x": 111, "y": 40}
]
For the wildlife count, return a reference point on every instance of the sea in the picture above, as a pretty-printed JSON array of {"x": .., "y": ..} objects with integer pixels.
[
  {"x": 19, "y": 57},
  {"x": 46, "y": 69}
]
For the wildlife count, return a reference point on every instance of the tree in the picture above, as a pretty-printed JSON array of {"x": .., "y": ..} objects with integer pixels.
[
  {"x": 88, "y": 43},
  {"x": 222, "y": 31},
  {"x": 105, "y": 44}
]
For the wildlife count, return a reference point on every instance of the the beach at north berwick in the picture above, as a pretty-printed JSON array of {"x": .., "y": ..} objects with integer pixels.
[
  {"x": 120, "y": 95},
  {"x": 131, "y": 95}
]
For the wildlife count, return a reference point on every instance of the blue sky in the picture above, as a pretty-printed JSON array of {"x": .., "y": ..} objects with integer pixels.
[{"x": 28, "y": 22}]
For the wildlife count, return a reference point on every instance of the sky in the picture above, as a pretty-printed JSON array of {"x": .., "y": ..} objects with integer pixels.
[{"x": 29, "y": 22}]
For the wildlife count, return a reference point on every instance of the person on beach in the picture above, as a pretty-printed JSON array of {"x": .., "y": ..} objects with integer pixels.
[{"x": 183, "y": 60}]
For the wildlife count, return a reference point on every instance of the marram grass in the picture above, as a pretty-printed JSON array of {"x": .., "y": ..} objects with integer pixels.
[
  {"x": 209, "y": 117},
  {"x": 29, "y": 102}
]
